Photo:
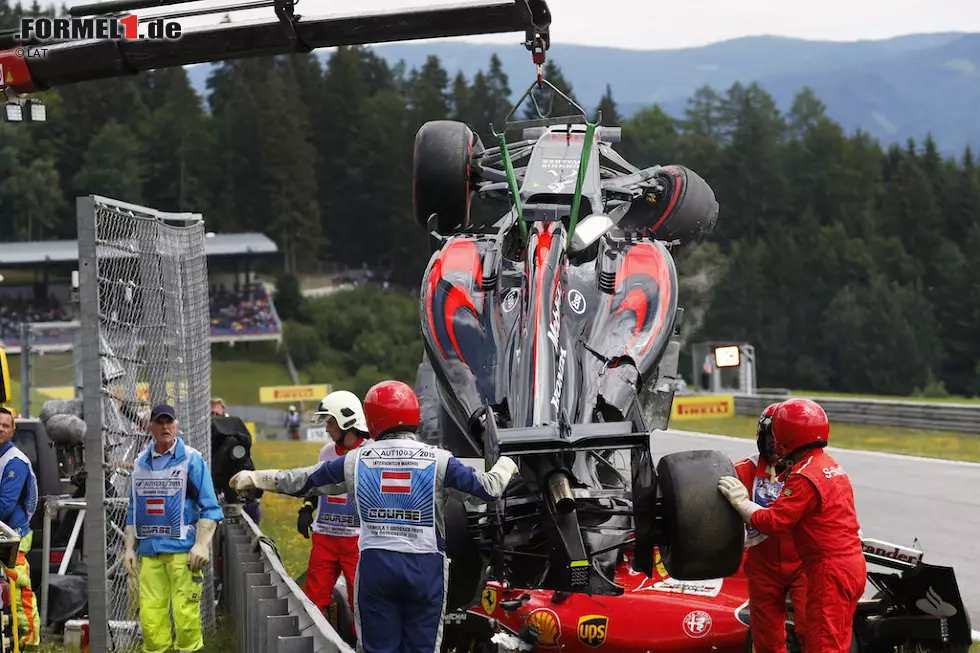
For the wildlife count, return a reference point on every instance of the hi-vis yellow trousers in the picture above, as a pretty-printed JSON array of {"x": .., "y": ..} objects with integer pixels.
[
  {"x": 25, "y": 603},
  {"x": 166, "y": 582}
]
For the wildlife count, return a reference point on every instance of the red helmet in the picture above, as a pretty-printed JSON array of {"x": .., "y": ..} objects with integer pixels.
[
  {"x": 799, "y": 422},
  {"x": 763, "y": 434},
  {"x": 391, "y": 405}
]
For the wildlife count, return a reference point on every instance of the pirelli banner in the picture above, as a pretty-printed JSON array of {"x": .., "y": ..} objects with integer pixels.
[
  {"x": 686, "y": 407},
  {"x": 289, "y": 394}
]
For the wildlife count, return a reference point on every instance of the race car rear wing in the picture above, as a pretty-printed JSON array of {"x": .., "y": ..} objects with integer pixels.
[
  {"x": 579, "y": 437},
  {"x": 893, "y": 556},
  {"x": 68, "y": 62}
]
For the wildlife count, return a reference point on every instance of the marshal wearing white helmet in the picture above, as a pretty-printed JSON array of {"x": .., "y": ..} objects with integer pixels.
[{"x": 333, "y": 519}]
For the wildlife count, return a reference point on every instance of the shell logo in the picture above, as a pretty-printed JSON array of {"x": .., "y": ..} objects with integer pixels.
[
  {"x": 547, "y": 624},
  {"x": 659, "y": 564}
]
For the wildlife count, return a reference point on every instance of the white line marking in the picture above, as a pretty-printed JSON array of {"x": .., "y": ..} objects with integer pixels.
[{"x": 876, "y": 454}]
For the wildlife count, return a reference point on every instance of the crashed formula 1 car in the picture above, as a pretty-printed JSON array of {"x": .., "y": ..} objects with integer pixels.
[
  {"x": 918, "y": 609},
  {"x": 552, "y": 340}
]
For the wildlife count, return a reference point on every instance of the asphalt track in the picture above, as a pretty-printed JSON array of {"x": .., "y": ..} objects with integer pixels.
[{"x": 899, "y": 499}]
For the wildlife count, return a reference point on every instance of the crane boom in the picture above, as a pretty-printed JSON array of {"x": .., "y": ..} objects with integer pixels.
[{"x": 69, "y": 62}]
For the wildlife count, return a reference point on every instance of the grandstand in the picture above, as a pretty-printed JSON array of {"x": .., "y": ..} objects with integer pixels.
[{"x": 35, "y": 286}]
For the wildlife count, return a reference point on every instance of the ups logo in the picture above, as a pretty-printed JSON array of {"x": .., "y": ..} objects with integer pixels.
[{"x": 592, "y": 629}]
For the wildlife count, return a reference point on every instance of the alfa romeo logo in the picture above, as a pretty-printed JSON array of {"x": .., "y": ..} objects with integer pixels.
[
  {"x": 697, "y": 624},
  {"x": 576, "y": 301}
]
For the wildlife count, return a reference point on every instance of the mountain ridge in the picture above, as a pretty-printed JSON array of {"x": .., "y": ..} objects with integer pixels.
[{"x": 895, "y": 89}]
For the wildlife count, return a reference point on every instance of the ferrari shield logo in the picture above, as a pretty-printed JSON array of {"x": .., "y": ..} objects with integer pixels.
[
  {"x": 489, "y": 600},
  {"x": 592, "y": 629}
]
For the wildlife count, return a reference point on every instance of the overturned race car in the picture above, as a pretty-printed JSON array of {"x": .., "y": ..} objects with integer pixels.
[{"x": 553, "y": 341}]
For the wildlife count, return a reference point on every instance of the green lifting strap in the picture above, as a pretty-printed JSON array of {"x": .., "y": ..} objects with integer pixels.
[
  {"x": 512, "y": 183},
  {"x": 583, "y": 165}
]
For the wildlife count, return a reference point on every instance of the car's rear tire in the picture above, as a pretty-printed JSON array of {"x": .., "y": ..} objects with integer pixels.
[
  {"x": 441, "y": 173},
  {"x": 345, "y": 615},
  {"x": 437, "y": 427},
  {"x": 467, "y": 568},
  {"x": 705, "y": 536}
]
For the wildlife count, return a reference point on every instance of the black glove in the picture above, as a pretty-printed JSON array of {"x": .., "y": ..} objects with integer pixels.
[{"x": 305, "y": 519}]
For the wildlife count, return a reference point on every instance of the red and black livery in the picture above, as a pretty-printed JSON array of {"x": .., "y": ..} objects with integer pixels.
[{"x": 558, "y": 349}]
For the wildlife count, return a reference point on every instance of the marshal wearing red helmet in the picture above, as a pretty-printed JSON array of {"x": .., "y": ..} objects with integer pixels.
[
  {"x": 391, "y": 405},
  {"x": 772, "y": 566},
  {"x": 817, "y": 507},
  {"x": 400, "y": 488}
]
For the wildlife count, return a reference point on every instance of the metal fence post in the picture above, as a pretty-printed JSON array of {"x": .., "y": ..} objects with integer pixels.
[
  {"x": 25, "y": 370},
  {"x": 285, "y": 626},
  {"x": 95, "y": 536}
]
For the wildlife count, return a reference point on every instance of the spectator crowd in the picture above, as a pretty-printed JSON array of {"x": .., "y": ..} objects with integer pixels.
[
  {"x": 245, "y": 313},
  {"x": 248, "y": 312},
  {"x": 14, "y": 311}
]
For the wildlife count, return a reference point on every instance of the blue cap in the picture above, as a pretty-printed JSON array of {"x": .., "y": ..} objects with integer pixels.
[{"x": 162, "y": 410}]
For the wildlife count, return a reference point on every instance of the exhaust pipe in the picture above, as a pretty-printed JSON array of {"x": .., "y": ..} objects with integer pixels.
[{"x": 561, "y": 493}]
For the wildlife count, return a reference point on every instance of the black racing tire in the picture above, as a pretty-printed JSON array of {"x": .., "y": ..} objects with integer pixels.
[
  {"x": 437, "y": 427},
  {"x": 467, "y": 568},
  {"x": 344, "y": 615},
  {"x": 429, "y": 403},
  {"x": 441, "y": 174},
  {"x": 705, "y": 536},
  {"x": 690, "y": 208}
]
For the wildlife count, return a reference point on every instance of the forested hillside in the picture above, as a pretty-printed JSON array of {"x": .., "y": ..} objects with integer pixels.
[{"x": 849, "y": 267}]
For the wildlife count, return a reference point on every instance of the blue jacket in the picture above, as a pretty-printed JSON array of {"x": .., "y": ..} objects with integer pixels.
[
  {"x": 13, "y": 510},
  {"x": 203, "y": 506}
]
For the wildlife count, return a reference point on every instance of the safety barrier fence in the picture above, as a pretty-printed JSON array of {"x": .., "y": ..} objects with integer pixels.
[
  {"x": 268, "y": 610},
  {"x": 927, "y": 416}
]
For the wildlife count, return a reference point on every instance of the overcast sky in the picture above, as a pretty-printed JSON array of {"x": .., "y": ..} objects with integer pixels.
[{"x": 652, "y": 24}]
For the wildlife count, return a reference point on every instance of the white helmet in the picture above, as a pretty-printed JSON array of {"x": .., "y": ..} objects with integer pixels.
[{"x": 344, "y": 407}]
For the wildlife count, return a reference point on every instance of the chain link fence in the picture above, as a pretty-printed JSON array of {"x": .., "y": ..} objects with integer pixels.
[{"x": 144, "y": 340}]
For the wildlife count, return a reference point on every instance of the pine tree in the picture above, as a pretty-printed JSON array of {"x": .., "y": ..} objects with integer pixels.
[
  {"x": 110, "y": 166},
  {"x": 608, "y": 110}
]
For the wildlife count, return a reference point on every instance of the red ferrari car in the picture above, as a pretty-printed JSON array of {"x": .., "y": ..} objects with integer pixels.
[
  {"x": 678, "y": 616},
  {"x": 919, "y": 608}
]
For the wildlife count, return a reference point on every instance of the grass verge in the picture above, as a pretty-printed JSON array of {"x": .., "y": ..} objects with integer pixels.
[
  {"x": 278, "y": 510},
  {"x": 949, "y": 446},
  {"x": 238, "y": 381},
  {"x": 235, "y": 381}
]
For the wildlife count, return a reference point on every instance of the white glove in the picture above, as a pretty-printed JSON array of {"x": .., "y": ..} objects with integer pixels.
[
  {"x": 263, "y": 479},
  {"x": 738, "y": 496},
  {"x": 130, "y": 560},
  {"x": 201, "y": 551},
  {"x": 504, "y": 466}
]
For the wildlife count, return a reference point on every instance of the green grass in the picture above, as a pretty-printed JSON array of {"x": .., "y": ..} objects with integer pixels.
[
  {"x": 221, "y": 641},
  {"x": 238, "y": 382},
  {"x": 235, "y": 381},
  {"x": 950, "y": 446},
  {"x": 278, "y": 510}
]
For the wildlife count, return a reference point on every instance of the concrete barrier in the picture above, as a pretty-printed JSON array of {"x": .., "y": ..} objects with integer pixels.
[
  {"x": 920, "y": 415},
  {"x": 268, "y": 611}
]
